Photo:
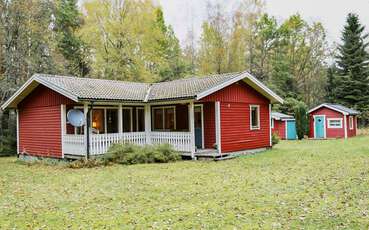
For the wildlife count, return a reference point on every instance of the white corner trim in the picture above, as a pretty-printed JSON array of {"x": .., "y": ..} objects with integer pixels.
[
  {"x": 335, "y": 119},
  {"x": 218, "y": 132},
  {"x": 329, "y": 107},
  {"x": 271, "y": 120},
  {"x": 242, "y": 76},
  {"x": 285, "y": 130},
  {"x": 345, "y": 125},
  {"x": 17, "y": 113},
  {"x": 258, "y": 110},
  {"x": 63, "y": 123}
]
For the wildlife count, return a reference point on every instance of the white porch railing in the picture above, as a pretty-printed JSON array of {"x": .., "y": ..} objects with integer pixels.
[
  {"x": 181, "y": 141},
  {"x": 100, "y": 143}
]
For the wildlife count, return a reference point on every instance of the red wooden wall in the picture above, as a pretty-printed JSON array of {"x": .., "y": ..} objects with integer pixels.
[
  {"x": 332, "y": 132},
  {"x": 235, "y": 101},
  {"x": 280, "y": 129},
  {"x": 39, "y": 123}
]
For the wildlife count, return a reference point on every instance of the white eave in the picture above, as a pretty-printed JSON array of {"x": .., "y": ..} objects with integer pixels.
[
  {"x": 250, "y": 80},
  {"x": 29, "y": 86},
  {"x": 329, "y": 107}
]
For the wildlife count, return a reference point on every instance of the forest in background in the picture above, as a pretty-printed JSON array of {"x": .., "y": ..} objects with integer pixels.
[{"x": 130, "y": 40}]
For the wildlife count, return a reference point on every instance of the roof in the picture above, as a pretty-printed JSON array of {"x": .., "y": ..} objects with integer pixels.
[
  {"x": 89, "y": 89},
  {"x": 281, "y": 116},
  {"x": 337, "y": 107}
]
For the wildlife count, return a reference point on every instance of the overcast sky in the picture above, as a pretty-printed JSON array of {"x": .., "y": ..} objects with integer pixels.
[{"x": 182, "y": 14}]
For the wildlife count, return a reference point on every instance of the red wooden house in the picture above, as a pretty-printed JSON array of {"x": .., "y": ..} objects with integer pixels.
[
  {"x": 332, "y": 121},
  {"x": 214, "y": 115}
]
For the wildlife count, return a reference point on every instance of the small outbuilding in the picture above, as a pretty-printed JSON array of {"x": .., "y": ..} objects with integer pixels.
[
  {"x": 284, "y": 126},
  {"x": 332, "y": 121}
]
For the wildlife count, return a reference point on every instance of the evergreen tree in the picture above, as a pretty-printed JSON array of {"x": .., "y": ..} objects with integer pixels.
[
  {"x": 331, "y": 85},
  {"x": 74, "y": 50},
  {"x": 352, "y": 62}
]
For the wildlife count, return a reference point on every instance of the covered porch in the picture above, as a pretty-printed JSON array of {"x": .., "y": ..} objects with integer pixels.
[{"x": 191, "y": 128}]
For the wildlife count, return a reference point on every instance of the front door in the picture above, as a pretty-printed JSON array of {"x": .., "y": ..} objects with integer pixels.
[
  {"x": 198, "y": 126},
  {"x": 319, "y": 124},
  {"x": 291, "y": 130}
]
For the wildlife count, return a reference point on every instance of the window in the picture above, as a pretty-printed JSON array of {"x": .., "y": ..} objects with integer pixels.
[
  {"x": 164, "y": 118},
  {"x": 351, "y": 122},
  {"x": 272, "y": 123},
  {"x": 140, "y": 117},
  {"x": 98, "y": 121},
  {"x": 254, "y": 117},
  {"x": 112, "y": 121},
  {"x": 127, "y": 120},
  {"x": 334, "y": 123}
]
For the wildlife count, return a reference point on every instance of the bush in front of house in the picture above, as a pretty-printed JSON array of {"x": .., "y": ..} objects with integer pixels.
[
  {"x": 275, "y": 139},
  {"x": 132, "y": 154}
]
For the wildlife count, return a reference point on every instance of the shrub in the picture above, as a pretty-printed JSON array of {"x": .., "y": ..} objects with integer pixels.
[
  {"x": 275, "y": 139},
  {"x": 133, "y": 154},
  {"x": 301, "y": 119},
  {"x": 86, "y": 163}
]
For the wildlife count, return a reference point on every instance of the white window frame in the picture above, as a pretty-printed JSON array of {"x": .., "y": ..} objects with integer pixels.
[
  {"x": 272, "y": 123},
  {"x": 351, "y": 122},
  {"x": 164, "y": 107},
  {"x": 258, "y": 113},
  {"x": 335, "y": 119}
]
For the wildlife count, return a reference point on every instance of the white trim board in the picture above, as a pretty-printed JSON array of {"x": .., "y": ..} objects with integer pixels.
[
  {"x": 258, "y": 110},
  {"x": 335, "y": 119},
  {"x": 30, "y": 85},
  {"x": 329, "y": 107}
]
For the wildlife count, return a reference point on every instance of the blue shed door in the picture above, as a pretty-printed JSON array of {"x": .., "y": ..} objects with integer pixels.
[
  {"x": 291, "y": 130},
  {"x": 319, "y": 126}
]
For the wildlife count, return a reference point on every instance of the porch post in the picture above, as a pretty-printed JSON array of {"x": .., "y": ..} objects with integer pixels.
[
  {"x": 85, "y": 111},
  {"x": 63, "y": 122},
  {"x": 148, "y": 123},
  {"x": 218, "y": 136},
  {"x": 270, "y": 125},
  {"x": 191, "y": 116},
  {"x": 120, "y": 118}
]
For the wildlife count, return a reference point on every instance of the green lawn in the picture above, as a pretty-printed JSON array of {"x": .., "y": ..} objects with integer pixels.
[{"x": 316, "y": 184}]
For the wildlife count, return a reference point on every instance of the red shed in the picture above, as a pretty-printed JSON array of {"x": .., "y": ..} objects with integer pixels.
[
  {"x": 201, "y": 116},
  {"x": 284, "y": 126},
  {"x": 332, "y": 121}
]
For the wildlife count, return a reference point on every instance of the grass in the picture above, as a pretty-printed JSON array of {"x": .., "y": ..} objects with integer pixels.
[{"x": 309, "y": 184}]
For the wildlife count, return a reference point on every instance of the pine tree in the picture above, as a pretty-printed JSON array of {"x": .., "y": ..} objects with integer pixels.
[
  {"x": 331, "y": 85},
  {"x": 352, "y": 62},
  {"x": 74, "y": 50}
]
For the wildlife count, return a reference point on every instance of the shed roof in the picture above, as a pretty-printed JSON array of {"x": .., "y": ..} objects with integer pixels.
[
  {"x": 89, "y": 89},
  {"x": 337, "y": 107},
  {"x": 281, "y": 116}
]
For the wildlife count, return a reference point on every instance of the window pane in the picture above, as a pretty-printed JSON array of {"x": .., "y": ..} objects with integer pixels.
[
  {"x": 127, "y": 120},
  {"x": 140, "y": 120},
  {"x": 98, "y": 121},
  {"x": 254, "y": 117},
  {"x": 169, "y": 118},
  {"x": 158, "y": 119},
  {"x": 112, "y": 120}
]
